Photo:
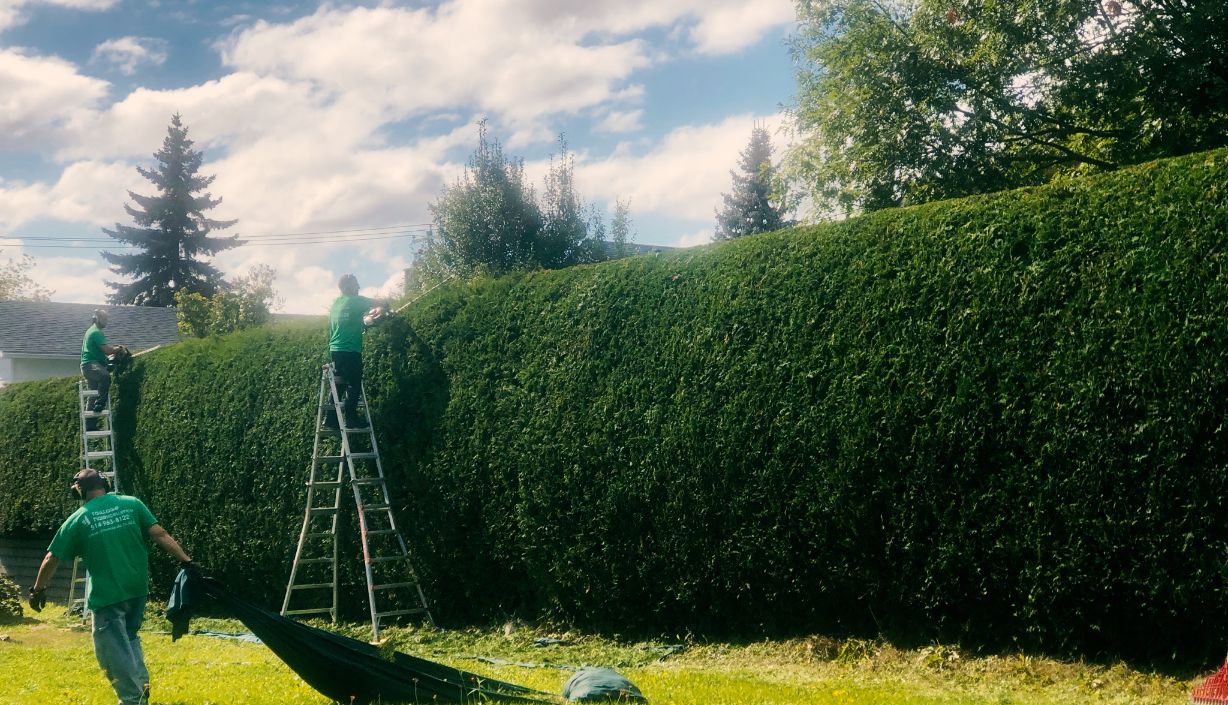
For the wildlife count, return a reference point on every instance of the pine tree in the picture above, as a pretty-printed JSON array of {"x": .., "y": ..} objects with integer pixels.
[
  {"x": 171, "y": 230},
  {"x": 753, "y": 206}
]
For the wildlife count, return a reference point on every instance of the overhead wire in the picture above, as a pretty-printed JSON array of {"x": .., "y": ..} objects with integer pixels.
[{"x": 317, "y": 237}]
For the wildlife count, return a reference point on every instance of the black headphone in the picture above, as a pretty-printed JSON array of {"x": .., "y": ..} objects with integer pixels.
[{"x": 86, "y": 481}]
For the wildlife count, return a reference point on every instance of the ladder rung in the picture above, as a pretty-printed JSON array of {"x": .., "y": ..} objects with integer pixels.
[
  {"x": 318, "y": 610},
  {"x": 323, "y": 510},
  {"x": 304, "y": 561},
  {"x": 98, "y": 434},
  {"x": 358, "y": 429},
  {"x": 368, "y": 481},
  {"x": 377, "y": 508},
  {"x": 364, "y": 456},
  {"x": 328, "y": 459},
  {"x": 95, "y": 414},
  {"x": 324, "y": 483},
  {"x": 99, "y": 454},
  {"x": 89, "y": 392},
  {"x": 381, "y": 532},
  {"x": 311, "y": 586},
  {"x": 395, "y": 613},
  {"x": 392, "y": 586}
]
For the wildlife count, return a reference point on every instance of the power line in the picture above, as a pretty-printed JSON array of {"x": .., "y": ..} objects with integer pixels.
[{"x": 321, "y": 238}]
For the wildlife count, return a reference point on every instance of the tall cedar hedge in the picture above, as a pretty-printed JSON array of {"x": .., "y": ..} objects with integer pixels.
[{"x": 999, "y": 420}]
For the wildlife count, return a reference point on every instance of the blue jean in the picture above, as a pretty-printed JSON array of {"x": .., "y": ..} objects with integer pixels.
[{"x": 118, "y": 648}]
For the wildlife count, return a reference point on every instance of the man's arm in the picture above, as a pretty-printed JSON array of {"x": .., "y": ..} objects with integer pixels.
[
  {"x": 46, "y": 571},
  {"x": 168, "y": 543}
]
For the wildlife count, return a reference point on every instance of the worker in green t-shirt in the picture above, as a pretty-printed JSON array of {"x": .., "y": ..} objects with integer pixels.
[
  {"x": 94, "y": 351},
  {"x": 345, "y": 328},
  {"x": 108, "y": 534}
]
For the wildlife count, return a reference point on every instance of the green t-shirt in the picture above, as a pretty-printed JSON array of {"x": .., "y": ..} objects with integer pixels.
[
  {"x": 345, "y": 323},
  {"x": 91, "y": 346},
  {"x": 108, "y": 533}
]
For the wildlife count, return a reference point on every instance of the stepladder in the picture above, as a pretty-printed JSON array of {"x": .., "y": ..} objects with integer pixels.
[
  {"x": 97, "y": 452},
  {"x": 345, "y": 452}
]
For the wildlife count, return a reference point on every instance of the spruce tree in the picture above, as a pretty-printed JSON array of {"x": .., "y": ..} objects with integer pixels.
[
  {"x": 171, "y": 232},
  {"x": 753, "y": 206}
]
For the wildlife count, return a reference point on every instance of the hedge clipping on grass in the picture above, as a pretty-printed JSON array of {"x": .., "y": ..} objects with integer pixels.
[{"x": 999, "y": 420}]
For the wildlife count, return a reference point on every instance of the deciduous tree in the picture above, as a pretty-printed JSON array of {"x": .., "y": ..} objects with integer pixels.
[
  {"x": 906, "y": 101},
  {"x": 16, "y": 284}
]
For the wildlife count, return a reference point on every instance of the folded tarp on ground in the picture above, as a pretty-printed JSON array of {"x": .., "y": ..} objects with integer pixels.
[{"x": 341, "y": 668}]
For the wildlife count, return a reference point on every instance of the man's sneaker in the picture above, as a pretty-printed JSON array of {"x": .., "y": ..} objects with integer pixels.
[{"x": 145, "y": 695}]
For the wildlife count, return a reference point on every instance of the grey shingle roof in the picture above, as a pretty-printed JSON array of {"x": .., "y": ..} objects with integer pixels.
[{"x": 49, "y": 328}]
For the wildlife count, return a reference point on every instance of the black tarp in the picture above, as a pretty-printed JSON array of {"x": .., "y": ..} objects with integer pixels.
[{"x": 341, "y": 668}]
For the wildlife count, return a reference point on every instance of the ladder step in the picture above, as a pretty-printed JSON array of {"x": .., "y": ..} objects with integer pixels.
[
  {"x": 328, "y": 459},
  {"x": 364, "y": 456},
  {"x": 95, "y": 414},
  {"x": 395, "y": 613},
  {"x": 305, "y": 561},
  {"x": 368, "y": 481},
  {"x": 377, "y": 508},
  {"x": 392, "y": 586},
  {"x": 311, "y": 586},
  {"x": 98, "y": 434},
  {"x": 318, "y": 610},
  {"x": 324, "y": 483},
  {"x": 323, "y": 510},
  {"x": 99, "y": 454},
  {"x": 382, "y": 532},
  {"x": 89, "y": 392}
]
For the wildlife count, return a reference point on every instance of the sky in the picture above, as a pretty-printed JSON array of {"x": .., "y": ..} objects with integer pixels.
[{"x": 330, "y": 128}]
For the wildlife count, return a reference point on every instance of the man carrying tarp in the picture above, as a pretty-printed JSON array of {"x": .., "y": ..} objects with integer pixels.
[
  {"x": 345, "y": 327},
  {"x": 108, "y": 533},
  {"x": 94, "y": 351}
]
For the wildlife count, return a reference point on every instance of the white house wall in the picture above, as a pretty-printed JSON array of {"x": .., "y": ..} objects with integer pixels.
[{"x": 25, "y": 369}]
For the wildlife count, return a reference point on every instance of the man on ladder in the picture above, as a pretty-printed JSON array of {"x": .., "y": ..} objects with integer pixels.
[
  {"x": 345, "y": 327},
  {"x": 94, "y": 352}
]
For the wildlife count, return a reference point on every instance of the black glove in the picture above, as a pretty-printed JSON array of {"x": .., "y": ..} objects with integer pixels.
[
  {"x": 38, "y": 599},
  {"x": 191, "y": 569}
]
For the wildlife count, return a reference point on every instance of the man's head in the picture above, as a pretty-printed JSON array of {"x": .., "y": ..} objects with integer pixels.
[
  {"x": 348, "y": 285},
  {"x": 100, "y": 317},
  {"x": 88, "y": 483}
]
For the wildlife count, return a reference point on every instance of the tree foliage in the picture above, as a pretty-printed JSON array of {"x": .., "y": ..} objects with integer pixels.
[
  {"x": 245, "y": 303},
  {"x": 907, "y": 101},
  {"x": 492, "y": 220},
  {"x": 172, "y": 233},
  {"x": 16, "y": 283},
  {"x": 756, "y": 204}
]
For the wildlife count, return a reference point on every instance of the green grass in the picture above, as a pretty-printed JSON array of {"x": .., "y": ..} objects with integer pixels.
[{"x": 47, "y": 659}]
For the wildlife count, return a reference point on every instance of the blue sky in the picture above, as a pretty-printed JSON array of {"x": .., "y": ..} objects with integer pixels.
[{"x": 324, "y": 117}]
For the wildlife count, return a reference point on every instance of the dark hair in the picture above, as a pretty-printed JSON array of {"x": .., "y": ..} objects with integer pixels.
[
  {"x": 348, "y": 284},
  {"x": 89, "y": 479}
]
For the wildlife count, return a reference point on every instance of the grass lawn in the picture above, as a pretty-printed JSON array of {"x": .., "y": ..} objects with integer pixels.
[{"x": 47, "y": 659}]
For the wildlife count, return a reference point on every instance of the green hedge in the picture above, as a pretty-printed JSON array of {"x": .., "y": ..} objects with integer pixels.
[{"x": 999, "y": 420}]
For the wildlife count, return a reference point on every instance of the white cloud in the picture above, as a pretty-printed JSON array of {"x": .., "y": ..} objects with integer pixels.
[
  {"x": 621, "y": 121},
  {"x": 12, "y": 12},
  {"x": 39, "y": 94},
  {"x": 86, "y": 192},
  {"x": 731, "y": 27},
  {"x": 128, "y": 53},
  {"x": 699, "y": 237},
  {"x": 683, "y": 176},
  {"x": 401, "y": 62}
]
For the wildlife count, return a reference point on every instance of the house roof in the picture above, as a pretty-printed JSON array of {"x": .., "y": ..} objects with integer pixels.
[{"x": 50, "y": 328}]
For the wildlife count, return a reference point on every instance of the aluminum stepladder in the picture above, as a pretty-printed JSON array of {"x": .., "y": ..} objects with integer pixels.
[
  {"x": 97, "y": 452},
  {"x": 390, "y": 574}
]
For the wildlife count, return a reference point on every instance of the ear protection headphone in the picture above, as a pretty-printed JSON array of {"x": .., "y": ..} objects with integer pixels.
[{"x": 86, "y": 481}]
